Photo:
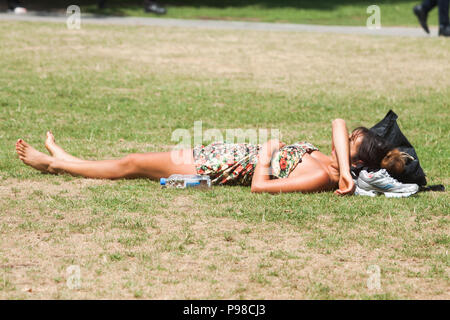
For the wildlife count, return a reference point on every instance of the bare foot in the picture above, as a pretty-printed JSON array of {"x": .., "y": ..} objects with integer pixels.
[
  {"x": 30, "y": 156},
  {"x": 56, "y": 150}
]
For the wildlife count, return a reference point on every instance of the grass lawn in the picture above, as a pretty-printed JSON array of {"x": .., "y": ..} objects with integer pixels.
[
  {"x": 106, "y": 91},
  {"x": 326, "y": 12}
]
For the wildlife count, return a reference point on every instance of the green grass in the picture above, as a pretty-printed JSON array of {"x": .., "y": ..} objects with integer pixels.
[
  {"x": 327, "y": 12},
  {"x": 109, "y": 91}
]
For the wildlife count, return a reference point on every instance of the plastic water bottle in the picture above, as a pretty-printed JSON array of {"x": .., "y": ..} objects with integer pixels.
[{"x": 182, "y": 181}]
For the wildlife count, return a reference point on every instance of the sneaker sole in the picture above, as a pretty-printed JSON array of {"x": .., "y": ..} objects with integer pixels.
[
  {"x": 374, "y": 193},
  {"x": 362, "y": 192},
  {"x": 398, "y": 194}
]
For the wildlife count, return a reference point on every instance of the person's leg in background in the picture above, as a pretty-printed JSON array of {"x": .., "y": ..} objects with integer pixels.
[
  {"x": 422, "y": 10},
  {"x": 428, "y": 5},
  {"x": 101, "y": 4},
  {"x": 444, "y": 24},
  {"x": 12, "y": 4}
]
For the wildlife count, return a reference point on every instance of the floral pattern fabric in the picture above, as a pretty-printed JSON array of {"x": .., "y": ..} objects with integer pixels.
[
  {"x": 285, "y": 160},
  {"x": 235, "y": 163}
]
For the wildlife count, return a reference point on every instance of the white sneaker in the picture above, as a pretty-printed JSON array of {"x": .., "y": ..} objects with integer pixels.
[
  {"x": 381, "y": 182},
  {"x": 359, "y": 191},
  {"x": 20, "y": 10}
]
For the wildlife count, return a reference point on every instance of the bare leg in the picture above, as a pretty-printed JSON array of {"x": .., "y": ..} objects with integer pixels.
[
  {"x": 153, "y": 165},
  {"x": 56, "y": 151}
]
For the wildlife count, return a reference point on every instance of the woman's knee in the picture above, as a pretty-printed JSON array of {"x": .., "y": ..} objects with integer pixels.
[{"x": 130, "y": 163}]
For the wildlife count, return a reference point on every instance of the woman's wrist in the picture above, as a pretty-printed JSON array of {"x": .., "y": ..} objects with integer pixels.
[{"x": 345, "y": 174}]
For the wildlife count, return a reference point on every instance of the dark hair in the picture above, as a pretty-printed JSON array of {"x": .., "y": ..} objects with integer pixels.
[{"x": 375, "y": 152}]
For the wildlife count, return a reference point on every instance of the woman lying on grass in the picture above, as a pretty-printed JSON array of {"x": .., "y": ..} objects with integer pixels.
[{"x": 272, "y": 167}]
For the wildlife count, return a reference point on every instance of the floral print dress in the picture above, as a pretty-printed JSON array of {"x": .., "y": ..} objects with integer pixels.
[{"x": 235, "y": 163}]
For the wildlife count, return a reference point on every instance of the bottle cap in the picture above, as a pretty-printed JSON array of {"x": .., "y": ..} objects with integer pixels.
[{"x": 162, "y": 181}]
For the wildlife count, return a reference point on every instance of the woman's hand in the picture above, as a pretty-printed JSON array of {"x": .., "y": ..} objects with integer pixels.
[{"x": 346, "y": 185}]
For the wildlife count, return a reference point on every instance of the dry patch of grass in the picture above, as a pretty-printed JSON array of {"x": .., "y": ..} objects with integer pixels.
[
  {"x": 107, "y": 91},
  {"x": 182, "y": 251},
  {"x": 21, "y": 189},
  {"x": 277, "y": 61}
]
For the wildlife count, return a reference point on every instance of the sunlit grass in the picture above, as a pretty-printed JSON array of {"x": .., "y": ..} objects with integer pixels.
[{"x": 109, "y": 91}]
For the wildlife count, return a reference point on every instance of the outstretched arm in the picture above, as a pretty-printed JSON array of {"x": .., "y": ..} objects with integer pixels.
[
  {"x": 341, "y": 148},
  {"x": 313, "y": 181}
]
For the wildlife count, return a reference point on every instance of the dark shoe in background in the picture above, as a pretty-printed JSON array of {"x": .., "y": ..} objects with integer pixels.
[
  {"x": 444, "y": 31},
  {"x": 422, "y": 16},
  {"x": 153, "y": 7}
]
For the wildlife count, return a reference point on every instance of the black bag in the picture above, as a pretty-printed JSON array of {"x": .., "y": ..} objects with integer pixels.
[{"x": 390, "y": 131}]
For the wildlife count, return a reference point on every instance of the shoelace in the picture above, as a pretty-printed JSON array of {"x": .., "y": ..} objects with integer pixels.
[{"x": 388, "y": 177}]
